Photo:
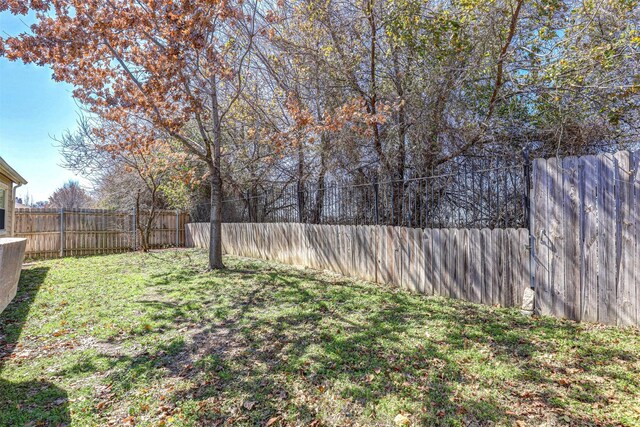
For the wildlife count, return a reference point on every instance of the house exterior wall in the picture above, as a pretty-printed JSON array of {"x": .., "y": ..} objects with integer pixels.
[{"x": 10, "y": 206}]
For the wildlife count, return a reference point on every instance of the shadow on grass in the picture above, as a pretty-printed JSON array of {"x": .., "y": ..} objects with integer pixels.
[
  {"x": 28, "y": 402},
  {"x": 293, "y": 345}
]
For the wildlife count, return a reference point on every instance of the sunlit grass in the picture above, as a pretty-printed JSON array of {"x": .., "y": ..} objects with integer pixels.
[{"x": 153, "y": 339}]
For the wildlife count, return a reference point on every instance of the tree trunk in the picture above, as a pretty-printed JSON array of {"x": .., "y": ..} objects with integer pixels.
[
  {"x": 215, "y": 229},
  {"x": 316, "y": 215},
  {"x": 399, "y": 169},
  {"x": 147, "y": 228},
  {"x": 215, "y": 241},
  {"x": 144, "y": 237},
  {"x": 300, "y": 185},
  {"x": 400, "y": 151},
  {"x": 372, "y": 103}
]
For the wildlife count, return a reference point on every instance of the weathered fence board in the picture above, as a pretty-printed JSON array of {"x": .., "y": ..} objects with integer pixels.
[
  {"x": 487, "y": 265},
  {"x": 405, "y": 257},
  {"x": 498, "y": 277},
  {"x": 636, "y": 220},
  {"x": 426, "y": 264},
  {"x": 625, "y": 243},
  {"x": 475, "y": 251},
  {"x": 556, "y": 233},
  {"x": 53, "y": 233},
  {"x": 436, "y": 259},
  {"x": 571, "y": 236},
  {"x": 589, "y": 224},
  {"x": 541, "y": 250},
  {"x": 586, "y": 222},
  {"x": 607, "y": 217}
]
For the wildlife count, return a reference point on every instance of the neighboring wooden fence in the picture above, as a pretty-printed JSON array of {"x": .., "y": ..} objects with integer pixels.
[
  {"x": 585, "y": 215},
  {"x": 482, "y": 266},
  {"x": 53, "y": 233}
]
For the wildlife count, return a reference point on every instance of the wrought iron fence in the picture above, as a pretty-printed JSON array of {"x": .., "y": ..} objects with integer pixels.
[{"x": 475, "y": 193}]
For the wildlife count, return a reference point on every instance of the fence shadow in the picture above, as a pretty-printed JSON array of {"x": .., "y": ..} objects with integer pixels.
[
  {"x": 27, "y": 402},
  {"x": 232, "y": 358},
  {"x": 247, "y": 353},
  {"x": 258, "y": 342}
]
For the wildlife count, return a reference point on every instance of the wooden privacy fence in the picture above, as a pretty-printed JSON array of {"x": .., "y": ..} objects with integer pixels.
[
  {"x": 482, "y": 266},
  {"x": 585, "y": 218},
  {"x": 53, "y": 233}
]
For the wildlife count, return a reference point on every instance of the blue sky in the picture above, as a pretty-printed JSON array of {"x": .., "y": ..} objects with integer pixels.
[{"x": 32, "y": 109}]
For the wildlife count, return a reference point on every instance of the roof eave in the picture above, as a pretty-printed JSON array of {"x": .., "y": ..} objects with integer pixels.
[{"x": 11, "y": 173}]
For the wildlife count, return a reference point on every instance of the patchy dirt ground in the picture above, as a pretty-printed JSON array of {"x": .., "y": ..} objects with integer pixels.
[{"x": 153, "y": 339}]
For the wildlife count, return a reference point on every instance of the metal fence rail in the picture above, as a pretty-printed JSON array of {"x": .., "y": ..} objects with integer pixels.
[{"x": 471, "y": 194}]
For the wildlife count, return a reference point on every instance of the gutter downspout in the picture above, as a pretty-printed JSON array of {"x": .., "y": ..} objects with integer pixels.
[{"x": 13, "y": 207}]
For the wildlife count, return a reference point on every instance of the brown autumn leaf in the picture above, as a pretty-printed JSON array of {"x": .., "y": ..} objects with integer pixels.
[
  {"x": 564, "y": 382},
  {"x": 272, "y": 421},
  {"x": 129, "y": 421},
  {"x": 401, "y": 420}
]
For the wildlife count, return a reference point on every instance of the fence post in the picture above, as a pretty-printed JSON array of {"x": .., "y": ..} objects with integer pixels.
[
  {"x": 527, "y": 215},
  {"x": 249, "y": 207},
  {"x": 61, "y": 232},
  {"x": 527, "y": 188},
  {"x": 133, "y": 229},
  {"x": 177, "y": 229},
  {"x": 300, "y": 202},
  {"x": 375, "y": 202}
]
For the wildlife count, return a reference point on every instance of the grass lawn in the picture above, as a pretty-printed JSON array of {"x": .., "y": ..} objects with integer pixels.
[{"x": 153, "y": 339}]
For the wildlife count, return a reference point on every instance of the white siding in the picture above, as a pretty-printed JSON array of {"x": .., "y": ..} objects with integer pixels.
[{"x": 10, "y": 206}]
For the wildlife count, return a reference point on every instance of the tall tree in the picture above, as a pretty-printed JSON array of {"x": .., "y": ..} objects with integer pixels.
[
  {"x": 174, "y": 66},
  {"x": 70, "y": 196}
]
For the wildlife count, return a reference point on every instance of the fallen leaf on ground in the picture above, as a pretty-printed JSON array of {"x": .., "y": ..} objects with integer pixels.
[{"x": 401, "y": 420}]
